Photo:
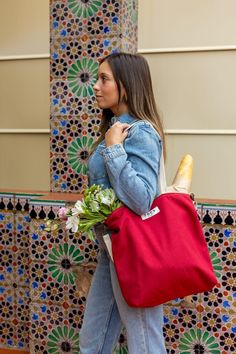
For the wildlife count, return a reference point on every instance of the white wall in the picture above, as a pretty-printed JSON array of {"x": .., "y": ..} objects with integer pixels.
[
  {"x": 24, "y": 27},
  {"x": 195, "y": 88},
  {"x": 24, "y": 94}
]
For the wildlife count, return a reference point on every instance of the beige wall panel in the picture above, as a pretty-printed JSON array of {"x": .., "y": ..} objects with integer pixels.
[
  {"x": 24, "y": 161},
  {"x": 24, "y": 94},
  {"x": 24, "y": 27},
  {"x": 181, "y": 23},
  {"x": 195, "y": 90},
  {"x": 214, "y": 174}
]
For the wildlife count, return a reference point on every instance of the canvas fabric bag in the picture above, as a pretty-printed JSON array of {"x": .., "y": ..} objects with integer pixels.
[{"x": 161, "y": 255}]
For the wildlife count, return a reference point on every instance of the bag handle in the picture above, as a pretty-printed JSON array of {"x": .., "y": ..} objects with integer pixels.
[{"x": 162, "y": 172}]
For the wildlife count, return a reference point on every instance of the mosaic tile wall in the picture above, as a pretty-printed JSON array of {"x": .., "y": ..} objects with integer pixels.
[
  {"x": 82, "y": 32},
  {"x": 14, "y": 270},
  {"x": 41, "y": 272}
]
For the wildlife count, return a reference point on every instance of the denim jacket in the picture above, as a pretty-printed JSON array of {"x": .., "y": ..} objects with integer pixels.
[{"x": 131, "y": 168}]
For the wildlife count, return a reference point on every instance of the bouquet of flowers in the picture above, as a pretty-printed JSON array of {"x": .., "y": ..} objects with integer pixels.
[{"x": 94, "y": 208}]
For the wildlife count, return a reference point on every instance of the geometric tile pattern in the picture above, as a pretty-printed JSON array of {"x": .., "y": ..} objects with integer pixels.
[
  {"x": 216, "y": 214},
  {"x": 208, "y": 324},
  {"x": 14, "y": 270},
  {"x": 82, "y": 32},
  {"x": 56, "y": 259},
  {"x": 42, "y": 272}
]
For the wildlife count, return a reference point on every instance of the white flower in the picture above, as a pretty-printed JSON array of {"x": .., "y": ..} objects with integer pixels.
[
  {"x": 78, "y": 209},
  {"x": 106, "y": 201},
  {"x": 105, "y": 197},
  {"x": 72, "y": 223},
  {"x": 94, "y": 205},
  {"x": 112, "y": 195},
  {"x": 74, "y": 212},
  {"x": 97, "y": 204}
]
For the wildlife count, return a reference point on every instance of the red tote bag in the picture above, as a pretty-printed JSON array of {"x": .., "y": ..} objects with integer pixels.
[{"x": 164, "y": 255}]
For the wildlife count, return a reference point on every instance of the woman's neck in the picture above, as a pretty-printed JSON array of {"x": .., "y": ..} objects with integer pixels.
[{"x": 121, "y": 109}]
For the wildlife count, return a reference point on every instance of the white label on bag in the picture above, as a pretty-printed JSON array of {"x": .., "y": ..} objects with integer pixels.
[{"x": 151, "y": 213}]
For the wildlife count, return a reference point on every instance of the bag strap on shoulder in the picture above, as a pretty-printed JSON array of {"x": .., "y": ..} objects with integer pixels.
[{"x": 162, "y": 174}]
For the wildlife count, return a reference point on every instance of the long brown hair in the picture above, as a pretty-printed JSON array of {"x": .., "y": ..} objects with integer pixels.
[{"x": 132, "y": 71}]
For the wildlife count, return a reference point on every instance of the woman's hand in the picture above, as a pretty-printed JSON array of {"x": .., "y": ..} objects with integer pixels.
[{"x": 116, "y": 134}]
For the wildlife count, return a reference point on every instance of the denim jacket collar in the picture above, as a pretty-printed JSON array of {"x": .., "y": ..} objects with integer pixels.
[{"x": 124, "y": 118}]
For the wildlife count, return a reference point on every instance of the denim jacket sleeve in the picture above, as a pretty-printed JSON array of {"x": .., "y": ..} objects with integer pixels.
[{"x": 133, "y": 168}]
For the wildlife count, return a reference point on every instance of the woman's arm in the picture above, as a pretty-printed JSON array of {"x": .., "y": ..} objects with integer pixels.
[{"x": 133, "y": 169}]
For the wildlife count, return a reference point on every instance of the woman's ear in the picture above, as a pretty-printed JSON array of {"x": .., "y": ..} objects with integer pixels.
[
  {"x": 124, "y": 95},
  {"x": 124, "y": 99}
]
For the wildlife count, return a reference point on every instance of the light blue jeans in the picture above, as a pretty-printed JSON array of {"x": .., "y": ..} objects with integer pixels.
[{"x": 106, "y": 312}]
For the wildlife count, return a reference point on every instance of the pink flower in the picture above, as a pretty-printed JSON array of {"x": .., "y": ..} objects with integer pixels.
[
  {"x": 62, "y": 213},
  {"x": 72, "y": 223}
]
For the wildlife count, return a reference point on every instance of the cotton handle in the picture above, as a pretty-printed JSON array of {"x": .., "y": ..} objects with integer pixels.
[{"x": 162, "y": 173}]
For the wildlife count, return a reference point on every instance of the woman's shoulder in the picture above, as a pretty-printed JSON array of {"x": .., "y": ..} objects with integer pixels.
[{"x": 141, "y": 128}]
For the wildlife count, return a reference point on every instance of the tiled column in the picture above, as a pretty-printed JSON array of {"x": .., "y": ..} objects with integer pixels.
[{"x": 82, "y": 32}]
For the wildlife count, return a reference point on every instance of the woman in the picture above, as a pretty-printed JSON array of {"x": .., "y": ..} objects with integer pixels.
[{"x": 128, "y": 161}]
